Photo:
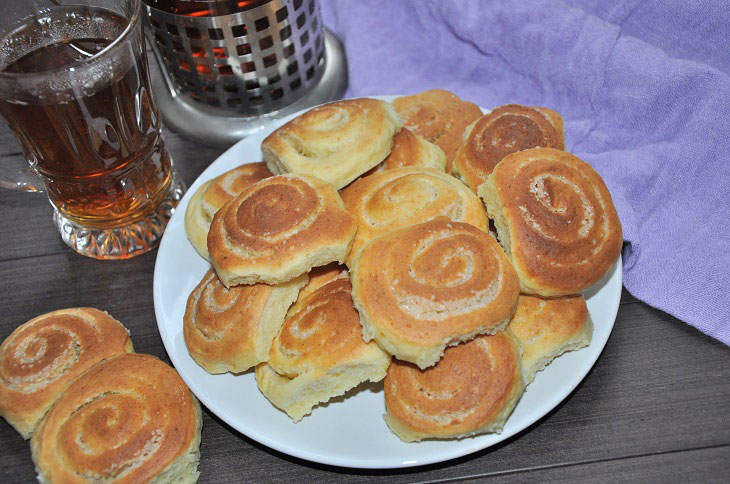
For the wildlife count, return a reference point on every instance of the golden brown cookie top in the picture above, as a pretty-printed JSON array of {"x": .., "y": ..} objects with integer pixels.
[
  {"x": 270, "y": 232},
  {"x": 421, "y": 287},
  {"x": 548, "y": 327},
  {"x": 336, "y": 142},
  {"x": 226, "y": 186},
  {"x": 221, "y": 323},
  {"x": 410, "y": 149},
  {"x": 406, "y": 196},
  {"x": 556, "y": 218},
  {"x": 323, "y": 332},
  {"x": 439, "y": 116},
  {"x": 472, "y": 389},
  {"x": 42, "y": 356},
  {"x": 506, "y": 129},
  {"x": 128, "y": 418}
]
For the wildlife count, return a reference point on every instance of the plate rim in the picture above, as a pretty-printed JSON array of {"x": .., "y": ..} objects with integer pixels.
[{"x": 466, "y": 447}]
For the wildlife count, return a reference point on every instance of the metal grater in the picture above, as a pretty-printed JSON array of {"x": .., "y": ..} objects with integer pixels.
[{"x": 230, "y": 68}]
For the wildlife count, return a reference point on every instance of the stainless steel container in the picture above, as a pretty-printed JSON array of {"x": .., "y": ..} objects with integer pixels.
[{"x": 230, "y": 68}]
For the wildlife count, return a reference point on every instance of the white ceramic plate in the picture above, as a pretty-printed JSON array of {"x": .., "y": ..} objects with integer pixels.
[{"x": 350, "y": 431}]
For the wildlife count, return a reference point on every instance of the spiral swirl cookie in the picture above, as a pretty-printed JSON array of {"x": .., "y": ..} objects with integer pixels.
[
  {"x": 410, "y": 149},
  {"x": 507, "y": 129},
  {"x": 401, "y": 197},
  {"x": 212, "y": 195},
  {"x": 555, "y": 218},
  {"x": 318, "y": 277},
  {"x": 41, "y": 357},
  {"x": 432, "y": 285},
  {"x": 232, "y": 329},
  {"x": 336, "y": 142},
  {"x": 319, "y": 353},
  {"x": 547, "y": 328},
  {"x": 439, "y": 116},
  {"x": 128, "y": 419},
  {"x": 278, "y": 229},
  {"x": 471, "y": 390}
]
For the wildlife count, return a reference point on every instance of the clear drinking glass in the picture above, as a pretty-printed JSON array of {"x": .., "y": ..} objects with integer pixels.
[{"x": 75, "y": 91}]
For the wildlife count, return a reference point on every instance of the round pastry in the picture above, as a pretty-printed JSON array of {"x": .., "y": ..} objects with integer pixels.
[
  {"x": 212, "y": 195},
  {"x": 128, "y": 419},
  {"x": 410, "y": 149},
  {"x": 41, "y": 357},
  {"x": 319, "y": 352},
  {"x": 232, "y": 329},
  {"x": 471, "y": 390},
  {"x": 507, "y": 129},
  {"x": 439, "y": 116},
  {"x": 336, "y": 142},
  {"x": 432, "y": 285},
  {"x": 318, "y": 277},
  {"x": 278, "y": 229},
  {"x": 555, "y": 218},
  {"x": 401, "y": 197},
  {"x": 547, "y": 328}
]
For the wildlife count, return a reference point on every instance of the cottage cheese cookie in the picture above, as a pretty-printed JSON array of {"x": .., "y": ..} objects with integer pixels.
[
  {"x": 410, "y": 149},
  {"x": 507, "y": 129},
  {"x": 278, "y": 229},
  {"x": 336, "y": 142},
  {"x": 422, "y": 288},
  {"x": 319, "y": 352},
  {"x": 547, "y": 328},
  {"x": 128, "y": 419},
  {"x": 471, "y": 390},
  {"x": 43, "y": 356},
  {"x": 212, "y": 195},
  {"x": 401, "y": 197},
  {"x": 232, "y": 329},
  {"x": 439, "y": 116},
  {"x": 556, "y": 220}
]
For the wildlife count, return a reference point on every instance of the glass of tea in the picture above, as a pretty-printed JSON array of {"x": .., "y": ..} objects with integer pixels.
[{"x": 75, "y": 91}]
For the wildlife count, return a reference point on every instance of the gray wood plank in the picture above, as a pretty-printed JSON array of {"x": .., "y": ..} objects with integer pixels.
[{"x": 710, "y": 465}]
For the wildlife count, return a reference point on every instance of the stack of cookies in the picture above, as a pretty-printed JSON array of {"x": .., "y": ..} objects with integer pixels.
[
  {"x": 94, "y": 410},
  {"x": 367, "y": 255}
]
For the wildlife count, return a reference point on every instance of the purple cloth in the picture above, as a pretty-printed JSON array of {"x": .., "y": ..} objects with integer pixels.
[{"x": 643, "y": 87}]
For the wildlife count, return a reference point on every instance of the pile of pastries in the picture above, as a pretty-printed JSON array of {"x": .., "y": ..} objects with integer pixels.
[
  {"x": 420, "y": 242},
  {"x": 93, "y": 409}
]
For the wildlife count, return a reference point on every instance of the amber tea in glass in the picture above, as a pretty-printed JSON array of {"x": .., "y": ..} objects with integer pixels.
[{"x": 74, "y": 88}]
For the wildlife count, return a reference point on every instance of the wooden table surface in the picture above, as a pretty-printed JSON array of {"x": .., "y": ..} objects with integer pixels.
[{"x": 655, "y": 407}]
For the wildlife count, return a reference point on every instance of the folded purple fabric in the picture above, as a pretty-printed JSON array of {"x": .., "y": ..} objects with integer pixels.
[{"x": 643, "y": 87}]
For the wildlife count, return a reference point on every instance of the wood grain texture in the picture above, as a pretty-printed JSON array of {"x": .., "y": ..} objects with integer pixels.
[{"x": 653, "y": 409}]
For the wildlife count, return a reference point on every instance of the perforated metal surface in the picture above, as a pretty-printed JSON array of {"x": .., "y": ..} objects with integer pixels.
[{"x": 249, "y": 62}]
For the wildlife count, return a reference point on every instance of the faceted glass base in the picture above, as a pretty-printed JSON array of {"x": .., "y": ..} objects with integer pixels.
[{"x": 126, "y": 241}]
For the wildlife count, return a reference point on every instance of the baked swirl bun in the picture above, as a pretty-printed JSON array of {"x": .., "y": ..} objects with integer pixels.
[
  {"x": 547, "y": 328},
  {"x": 401, "y": 197},
  {"x": 278, "y": 229},
  {"x": 507, "y": 129},
  {"x": 42, "y": 356},
  {"x": 471, "y": 390},
  {"x": 232, "y": 329},
  {"x": 212, "y": 195},
  {"x": 128, "y": 419},
  {"x": 424, "y": 287},
  {"x": 318, "y": 277},
  {"x": 410, "y": 149},
  {"x": 555, "y": 218},
  {"x": 439, "y": 116},
  {"x": 336, "y": 142},
  {"x": 319, "y": 352}
]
